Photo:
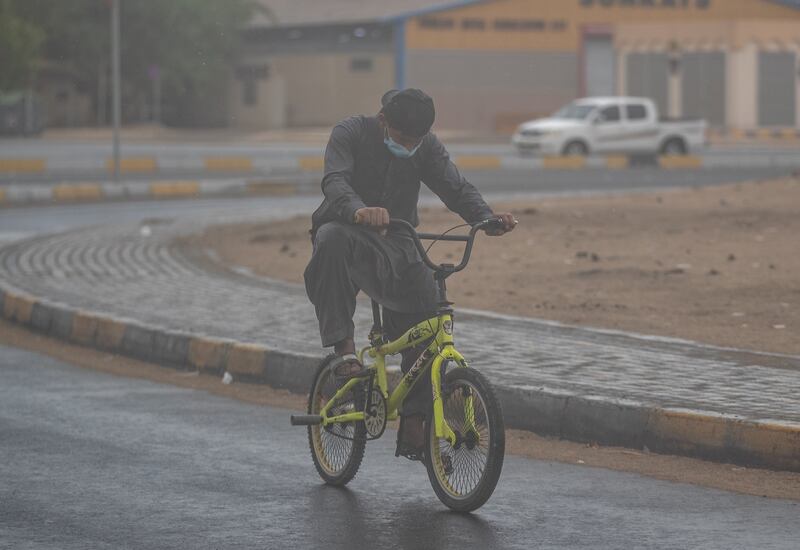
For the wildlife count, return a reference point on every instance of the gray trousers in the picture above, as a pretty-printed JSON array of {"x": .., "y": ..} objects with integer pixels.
[{"x": 351, "y": 258}]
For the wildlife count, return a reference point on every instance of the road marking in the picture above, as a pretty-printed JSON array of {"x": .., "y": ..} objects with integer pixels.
[
  {"x": 478, "y": 162},
  {"x": 229, "y": 164},
  {"x": 563, "y": 162},
  {"x": 77, "y": 191},
  {"x": 617, "y": 162},
  {"x": 23, "y": 166},
  {"x": 174, "y": 188},
  {"x": 311, "y": 164},
  {"x": 134, "y": 165}
]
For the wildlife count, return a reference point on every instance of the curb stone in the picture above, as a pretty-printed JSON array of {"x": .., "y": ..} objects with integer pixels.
[
  {"x": 73, "y": 193},
  {"x": 560, "y": 413}
]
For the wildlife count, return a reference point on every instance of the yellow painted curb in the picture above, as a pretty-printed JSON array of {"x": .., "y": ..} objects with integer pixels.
[
  {"x": 773, "y": 444},
  {"x": 478, "y": 162},
  {"x": 789, "y": 133},
  {"x": 207, "y": 354},
  {"x": 247, "y": 359},
  {"x": 737, "y": 133},
  {"x": 2, "y": 195},
  {"x": 174, "y": 188},
  {"x": 109, "y": 333},
  {"x": 764, "y": 133},
  {"x": 617, "y": 162},
  {"x": 563, "y": 163},
  {"x": 229, "y": 164},
  {"x": 687, "y": 430},
  {"x": 18, "y": 308},
  {"x": 134, "y": 165},
  {"x": 80, "y": 191},
  {"x": 780, "y": 443},
  {"x": 680, "y": 161},
  {"x": 311, "y": 163},
  {"x": 27, "y": 166},
  {"x": 84, "y": 328},
  {"x": 270, "y": 188}
]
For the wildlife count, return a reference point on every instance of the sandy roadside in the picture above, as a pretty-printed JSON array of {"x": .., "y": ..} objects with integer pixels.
[
  {"x": 727, "y": 477},
  {"x": 719, "y": 265}
]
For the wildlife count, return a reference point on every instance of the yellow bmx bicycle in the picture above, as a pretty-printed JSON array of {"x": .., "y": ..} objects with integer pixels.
[{"x": 465, "y": 439}]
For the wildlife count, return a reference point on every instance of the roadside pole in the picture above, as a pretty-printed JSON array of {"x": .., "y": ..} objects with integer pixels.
[{"x": 115, "y": 83}]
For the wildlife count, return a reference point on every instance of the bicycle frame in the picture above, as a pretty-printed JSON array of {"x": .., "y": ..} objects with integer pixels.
[{"x": 439, "y": 351}]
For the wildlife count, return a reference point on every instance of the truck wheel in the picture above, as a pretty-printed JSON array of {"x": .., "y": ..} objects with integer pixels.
[
  {"x": 575, "y": 149},
  {"x": 674, "y": 146}
]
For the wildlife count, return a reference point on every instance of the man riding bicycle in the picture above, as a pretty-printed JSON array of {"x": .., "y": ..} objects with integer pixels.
[{"x": 373, "y": 169}]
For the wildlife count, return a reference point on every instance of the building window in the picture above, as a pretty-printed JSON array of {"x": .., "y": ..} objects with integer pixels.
[
  {"x": 361, "y": 64},
  {"x": 436, "y": 23},
  {"x": 473, "y": 24}
]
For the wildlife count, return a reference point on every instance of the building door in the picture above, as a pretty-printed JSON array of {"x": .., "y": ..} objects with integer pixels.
[
  {"x": 599, "y": 71},
  {"x": 777, "y": 92},
  {"x": 703, "y": 86},
  {"x": 647, "y": 75}
]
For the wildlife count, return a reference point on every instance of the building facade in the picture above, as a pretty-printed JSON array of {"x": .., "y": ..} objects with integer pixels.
[{"x": 490, "y": 64}]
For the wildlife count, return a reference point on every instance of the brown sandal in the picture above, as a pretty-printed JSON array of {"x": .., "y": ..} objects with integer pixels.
[{"x": 346, "y": 367}]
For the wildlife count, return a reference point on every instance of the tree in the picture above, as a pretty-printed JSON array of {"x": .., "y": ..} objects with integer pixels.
[
  {"x": 192, "y": 42},
  {"x": 20, "y": 44}
]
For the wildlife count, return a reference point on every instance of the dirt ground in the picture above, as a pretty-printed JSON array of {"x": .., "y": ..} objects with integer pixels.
[
  {"x": 719, "y": 265},
  {"x": 751, "y": 481}
]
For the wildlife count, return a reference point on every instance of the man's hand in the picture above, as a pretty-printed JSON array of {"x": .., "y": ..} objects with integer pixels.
[
  {"x": 375, "y": 217},
  {"x": 508, "y": 221}
]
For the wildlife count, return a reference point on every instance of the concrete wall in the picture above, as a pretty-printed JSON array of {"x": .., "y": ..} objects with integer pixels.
[
  {"x": 314, "y": 89},
  {"x": 487, "y": 91}
]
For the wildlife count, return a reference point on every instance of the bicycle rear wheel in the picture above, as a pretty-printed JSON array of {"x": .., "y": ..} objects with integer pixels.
[
  {"x": 465, "y": 475},
  {"x": 336, "y": 449}
]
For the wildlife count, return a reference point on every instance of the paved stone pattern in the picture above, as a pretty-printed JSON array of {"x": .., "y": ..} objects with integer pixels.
[{"x": 142, "y": 273}]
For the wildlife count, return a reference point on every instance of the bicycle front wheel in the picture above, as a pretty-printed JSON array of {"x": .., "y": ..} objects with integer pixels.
[
  {"x": 337, "y": 449},
  {"x": 464, "y": 475}
]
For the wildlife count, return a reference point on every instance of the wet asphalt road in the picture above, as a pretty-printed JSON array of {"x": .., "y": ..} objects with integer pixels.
[{"x": 89, "y": 460}]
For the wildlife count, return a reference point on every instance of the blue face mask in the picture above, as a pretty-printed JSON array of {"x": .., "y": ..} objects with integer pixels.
[{"x": 398, "y": 150}]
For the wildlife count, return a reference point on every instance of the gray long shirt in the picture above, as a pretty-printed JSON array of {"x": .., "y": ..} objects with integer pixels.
[{"x": 360, "y": 171}]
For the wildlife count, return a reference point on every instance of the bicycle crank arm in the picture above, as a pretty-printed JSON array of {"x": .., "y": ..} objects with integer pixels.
[{"x": 305, "y": 419}]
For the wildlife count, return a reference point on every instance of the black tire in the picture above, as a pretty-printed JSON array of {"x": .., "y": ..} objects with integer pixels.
[
  {"x": 674, "y": 146},
  {"x": 336, "y": 458},
  {"x": 475, "y": 464},
  {"x": 575, "y": 148}
]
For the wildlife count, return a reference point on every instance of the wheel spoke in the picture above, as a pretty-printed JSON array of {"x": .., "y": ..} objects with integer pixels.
[{"x": 465, "y": 413}]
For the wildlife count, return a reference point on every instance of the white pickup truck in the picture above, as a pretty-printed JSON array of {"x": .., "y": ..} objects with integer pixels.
[{"x": 609, "y": 125}]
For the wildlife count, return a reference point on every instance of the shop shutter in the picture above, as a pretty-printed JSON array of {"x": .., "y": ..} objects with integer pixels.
[
  {"x": 599, "y": 66},
  {"x": 647, "y": 77},
  {"x": 703, "y": 86},
  {"x": 777, "y": 81}
]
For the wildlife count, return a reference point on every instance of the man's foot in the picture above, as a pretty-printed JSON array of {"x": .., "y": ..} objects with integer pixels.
[{"x": 348, "y": 366}]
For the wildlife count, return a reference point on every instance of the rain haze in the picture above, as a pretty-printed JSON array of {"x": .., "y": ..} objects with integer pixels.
[{"x": 399, "y": 274}]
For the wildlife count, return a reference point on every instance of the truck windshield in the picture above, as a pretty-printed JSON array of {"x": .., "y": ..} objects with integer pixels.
[{"x": 574, "y": 111}]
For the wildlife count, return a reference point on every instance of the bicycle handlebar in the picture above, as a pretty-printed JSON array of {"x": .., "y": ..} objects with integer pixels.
[{"x": 469, "y": 239}]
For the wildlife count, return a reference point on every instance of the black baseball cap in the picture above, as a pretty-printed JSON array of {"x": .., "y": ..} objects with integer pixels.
[{"x": 411, "y": 111}]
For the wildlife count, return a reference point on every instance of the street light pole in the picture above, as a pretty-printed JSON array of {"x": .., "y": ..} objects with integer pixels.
[{"x": 115, "y": 83}]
